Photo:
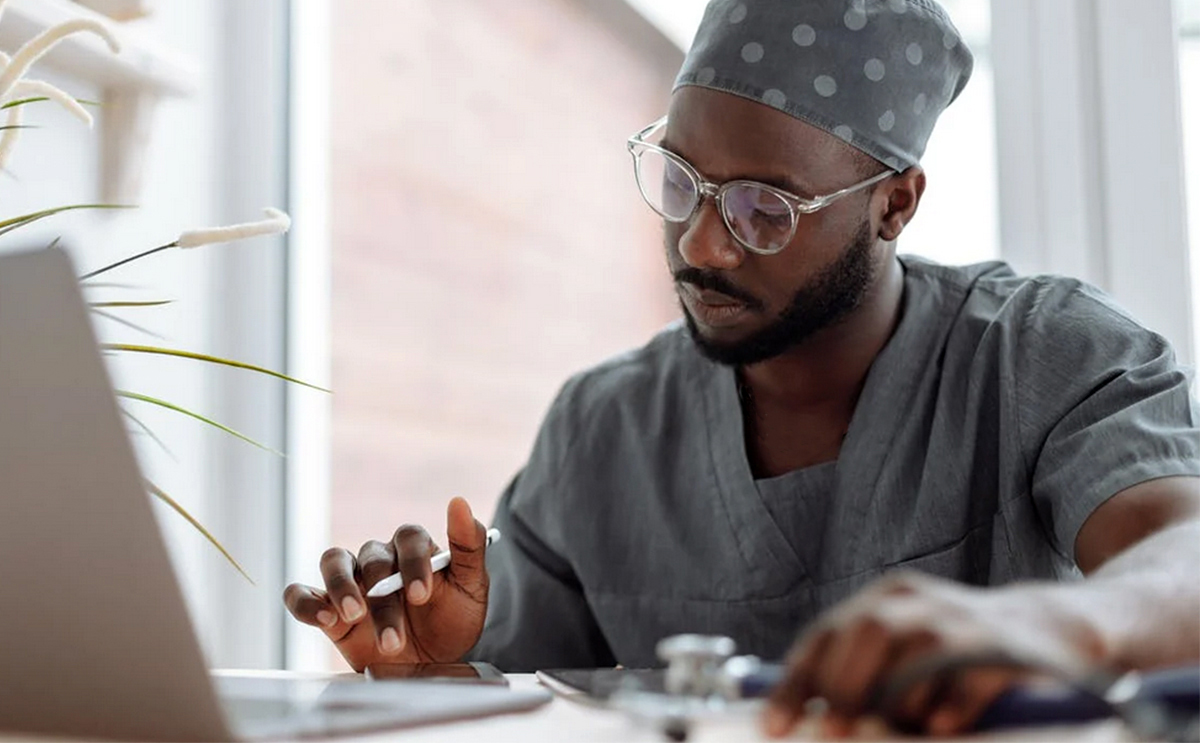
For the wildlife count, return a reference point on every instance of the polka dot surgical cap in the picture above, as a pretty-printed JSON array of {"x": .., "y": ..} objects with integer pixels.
[{"x": 876, "y": 73}]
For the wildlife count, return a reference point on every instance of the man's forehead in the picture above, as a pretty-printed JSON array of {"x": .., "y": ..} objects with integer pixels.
[{"x": 725, "y": 135}]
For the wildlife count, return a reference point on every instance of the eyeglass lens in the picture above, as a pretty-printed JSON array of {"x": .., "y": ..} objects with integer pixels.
[
  {"x": 757, "y": 216},
  {"x": 668, "y": 188}
]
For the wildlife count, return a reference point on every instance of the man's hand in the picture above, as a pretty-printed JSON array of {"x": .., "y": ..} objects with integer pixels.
[
  {"x": 855, "y": 654},
  {"x": 436, "y": 618}
]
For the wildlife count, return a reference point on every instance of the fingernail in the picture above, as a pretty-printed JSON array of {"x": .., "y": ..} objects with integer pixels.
[
  {"x": 326, "y": 618},
  {"x": 390, "y": 640},
  {"x": 942, "y": 722},
  {"x": 417, "y": 591},
  {"x": 835, "y": 726},
  {"x": 351, "y": 608},
  {"x": 776, "y": 722}
]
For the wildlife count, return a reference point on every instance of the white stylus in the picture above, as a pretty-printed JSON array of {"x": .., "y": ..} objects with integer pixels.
[{"x": 440, "y": 561}]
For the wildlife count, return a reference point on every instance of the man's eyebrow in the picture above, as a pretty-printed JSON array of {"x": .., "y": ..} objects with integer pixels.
[
  {"x": 787, "y": 184},
  {"x": 781, "y": 181}
]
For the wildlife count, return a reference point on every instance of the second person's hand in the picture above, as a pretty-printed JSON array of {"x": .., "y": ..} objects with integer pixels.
[{"x": 436, "y": 618}]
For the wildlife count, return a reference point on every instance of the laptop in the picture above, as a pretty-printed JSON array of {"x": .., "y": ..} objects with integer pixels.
[{"x": 95, "y": 638}]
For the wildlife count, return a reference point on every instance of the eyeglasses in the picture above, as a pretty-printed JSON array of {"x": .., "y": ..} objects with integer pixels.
[{"x": 761, "y": 218}]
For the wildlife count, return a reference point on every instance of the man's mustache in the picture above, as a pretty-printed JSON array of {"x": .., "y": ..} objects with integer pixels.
[{"x": 717, "y": 283}]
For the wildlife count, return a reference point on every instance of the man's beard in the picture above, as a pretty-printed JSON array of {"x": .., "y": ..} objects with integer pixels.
[{"x": 826, "y": 300}]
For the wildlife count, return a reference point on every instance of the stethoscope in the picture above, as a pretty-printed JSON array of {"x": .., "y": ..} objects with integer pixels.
[{"x": 703, "y": 678}]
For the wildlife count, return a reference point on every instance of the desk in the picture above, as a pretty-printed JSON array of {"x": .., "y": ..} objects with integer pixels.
[{"x": 564, "y": 720}]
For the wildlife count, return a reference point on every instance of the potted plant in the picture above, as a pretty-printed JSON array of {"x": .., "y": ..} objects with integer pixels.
[{"x": 17, "y": 92}]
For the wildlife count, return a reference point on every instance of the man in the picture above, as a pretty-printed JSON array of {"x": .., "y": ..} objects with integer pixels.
[{"x": 839, "y": 441}]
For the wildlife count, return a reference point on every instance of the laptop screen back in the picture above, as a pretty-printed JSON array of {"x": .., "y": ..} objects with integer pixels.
[{"x": 95, "y": 639}]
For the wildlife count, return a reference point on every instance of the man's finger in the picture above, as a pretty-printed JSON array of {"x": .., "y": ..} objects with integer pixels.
[
  {"x": 376, "y": 561},
  {"x": 908, "y": 708},
  {"x": 339, "y": 570},
  {"x": 310, "y": 606},
  {"x": 967, "y": 700},
  {"x": 413, "y": 549},
  {"x": 853, "y": 665},
  {"x": 786, "y": 704},
  {"x": 468, "y": 546}
]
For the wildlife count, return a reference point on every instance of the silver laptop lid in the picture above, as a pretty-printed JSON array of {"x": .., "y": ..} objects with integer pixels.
[{"x": 95, "y": 639}]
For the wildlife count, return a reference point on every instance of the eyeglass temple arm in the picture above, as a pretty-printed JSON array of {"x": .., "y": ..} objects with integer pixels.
[
  {"x": 823, "y": 201},
  {"x": 641, "y": 136}
]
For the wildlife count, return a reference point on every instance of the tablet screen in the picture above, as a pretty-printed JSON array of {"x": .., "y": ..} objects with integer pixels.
[{"x": 474, "y": 673}]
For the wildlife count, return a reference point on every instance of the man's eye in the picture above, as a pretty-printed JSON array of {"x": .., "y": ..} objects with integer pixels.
[
  {"x": 772, "y": 216},
  {"x": 678, "y": 179}
]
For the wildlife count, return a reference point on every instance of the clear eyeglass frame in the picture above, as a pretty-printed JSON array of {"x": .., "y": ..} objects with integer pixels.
[{"x": 797, "y": 205}]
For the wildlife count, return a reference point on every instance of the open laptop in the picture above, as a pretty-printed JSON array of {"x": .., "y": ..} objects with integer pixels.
[{"x": 95, "y": 639}]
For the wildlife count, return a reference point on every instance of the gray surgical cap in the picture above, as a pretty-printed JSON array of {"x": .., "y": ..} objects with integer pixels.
[{"x": 876, "y": 73}]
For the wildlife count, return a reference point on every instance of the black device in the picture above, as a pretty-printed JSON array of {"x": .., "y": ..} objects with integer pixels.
[{"x": 461, "y": 673}]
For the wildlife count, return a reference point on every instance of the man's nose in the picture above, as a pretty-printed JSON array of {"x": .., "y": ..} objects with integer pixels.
[{"x": 707, "y": 243}]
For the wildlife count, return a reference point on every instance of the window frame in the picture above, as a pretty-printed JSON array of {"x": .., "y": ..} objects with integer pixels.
[
  {"x": 1076, "y": 82},
  {"x": 309, "y": 354}
]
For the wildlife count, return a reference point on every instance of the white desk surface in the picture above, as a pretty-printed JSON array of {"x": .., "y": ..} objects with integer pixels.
[{"x": 571, "y": 722}]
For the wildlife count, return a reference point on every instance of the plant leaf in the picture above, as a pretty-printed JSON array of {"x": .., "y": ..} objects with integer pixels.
[
  {"x": 126, "y": 323},
  {"x": 158, "y": 493},
  {"x": 39, "y": 99},
  {"x": 108, "y": 285},
  {"x": 146, "y": 429},
  {"x": 12, "y": 223},
  {"x": 172, "y": 406},
  {"x": 205, "y": 357},
  {"x": 23, "y": 101},
  {"x": 155, "y": 303}
]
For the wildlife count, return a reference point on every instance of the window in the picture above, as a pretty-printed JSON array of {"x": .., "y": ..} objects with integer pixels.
[
  {"x": 959, "y": 221},
  {"x": 487, "y": 239},
  {"x": 1188, "y": 13}
]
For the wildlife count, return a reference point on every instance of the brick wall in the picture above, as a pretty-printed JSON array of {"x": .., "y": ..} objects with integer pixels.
[{"x": 488, "y": 237}]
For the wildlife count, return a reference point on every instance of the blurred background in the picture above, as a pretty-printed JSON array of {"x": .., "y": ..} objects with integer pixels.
[{"x": 467, "y": 231}]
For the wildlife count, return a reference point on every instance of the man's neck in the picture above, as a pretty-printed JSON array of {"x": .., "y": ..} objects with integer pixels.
[{"x": 828, "y": 369}]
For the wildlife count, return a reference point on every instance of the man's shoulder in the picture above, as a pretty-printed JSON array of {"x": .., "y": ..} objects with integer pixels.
[
  {"x": 643, "y": 383},
  {"x": 992, "y": 294},
  {"x": 638, "y": 373}
]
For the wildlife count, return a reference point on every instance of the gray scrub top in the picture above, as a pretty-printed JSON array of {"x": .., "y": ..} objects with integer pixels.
[{"x": 999, "y": 415}]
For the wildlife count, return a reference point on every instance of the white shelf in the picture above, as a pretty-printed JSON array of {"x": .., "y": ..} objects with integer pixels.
[
  {"x": 131, "y": 82},
  {"x": 142, "y": 64}
]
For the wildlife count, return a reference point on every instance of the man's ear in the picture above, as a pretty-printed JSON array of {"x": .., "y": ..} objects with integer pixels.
[{"x": 903, "y": 194}]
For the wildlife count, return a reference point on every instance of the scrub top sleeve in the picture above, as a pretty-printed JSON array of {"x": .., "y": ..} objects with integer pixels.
[
  {"x": 1104, "y": 407},
  {"x": 537, "y": 617}
]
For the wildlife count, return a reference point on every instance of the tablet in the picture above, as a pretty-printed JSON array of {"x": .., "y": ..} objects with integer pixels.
[
  {"x": 468, "y": 673},
  {"x": 599, "y": 684}
]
